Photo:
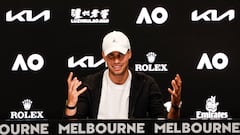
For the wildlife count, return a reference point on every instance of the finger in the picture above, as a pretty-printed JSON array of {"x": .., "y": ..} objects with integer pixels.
[
  {"x": 72, "y": 84},
  {"x": 76, "y": 85},
  {"x": 178, "y": 76},
  {"x": 70, "y": 77},
  {"x": 176, "y": 88},
  {"x": 81, "y": 91},
  {"x": 179, "y": 83},
  {"x": 174, "y": 96},
  {"x": 178, "y": 80},
  {"x": 174, "y": 85},
  {"x": 171, "y": 92}
]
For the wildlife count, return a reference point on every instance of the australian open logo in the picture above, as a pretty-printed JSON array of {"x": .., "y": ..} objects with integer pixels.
[
  {"x": 26, "y": 114},
  {"x": 151, "y": 66},
  {"x": 211, "y": 107}
]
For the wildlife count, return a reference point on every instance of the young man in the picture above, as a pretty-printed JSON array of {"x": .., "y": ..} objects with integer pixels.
[{"x": 118, "y": 92}]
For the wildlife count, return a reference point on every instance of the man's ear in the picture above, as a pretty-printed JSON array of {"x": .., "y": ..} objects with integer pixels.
[
  {"x": 103, "y": 55},
  {"x": 129, "y": 54}
]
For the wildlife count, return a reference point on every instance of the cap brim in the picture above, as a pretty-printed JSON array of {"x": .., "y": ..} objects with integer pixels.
[{"x": 117, "y": 49}]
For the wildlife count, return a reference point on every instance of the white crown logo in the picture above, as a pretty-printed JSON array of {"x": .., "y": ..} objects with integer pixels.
[
  {"x": 27, "y": 104},
  {"x": 151, "y": 56}
]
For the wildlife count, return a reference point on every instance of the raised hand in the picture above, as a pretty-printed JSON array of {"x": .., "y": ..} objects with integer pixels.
[
  {"x": 176, "y": 91},
  {"x": 73, "y": 93}
]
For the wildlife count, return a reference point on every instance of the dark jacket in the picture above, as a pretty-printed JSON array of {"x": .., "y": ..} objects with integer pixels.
[{"x": 145, "y": 99}]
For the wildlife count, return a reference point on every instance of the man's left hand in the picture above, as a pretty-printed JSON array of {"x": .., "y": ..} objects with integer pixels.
[{"x": 176, "y": 90}]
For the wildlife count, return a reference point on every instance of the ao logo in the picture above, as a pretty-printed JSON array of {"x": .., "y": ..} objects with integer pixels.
[
  {"x": 219, "y": 61},
  {"x": 34, "y": 62},
  {"x": 159, "y": 15}
]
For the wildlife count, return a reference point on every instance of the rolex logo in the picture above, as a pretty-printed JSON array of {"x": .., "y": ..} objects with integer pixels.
[
  {"x": 26, "y": 114},
  {"x": 151, "y": 56},
  {"x": 27, "y": 103},
  {"x": 151, "y": 66}
]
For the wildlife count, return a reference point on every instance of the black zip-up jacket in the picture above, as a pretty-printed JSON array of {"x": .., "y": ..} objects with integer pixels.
[{"x": 145, "y": 99}]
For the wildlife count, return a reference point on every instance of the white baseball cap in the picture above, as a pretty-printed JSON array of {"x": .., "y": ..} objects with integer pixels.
[{"x": 115, "y": 41}]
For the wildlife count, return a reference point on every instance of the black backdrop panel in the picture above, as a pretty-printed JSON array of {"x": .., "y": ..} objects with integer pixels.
[{"x": 181, "y": 43}]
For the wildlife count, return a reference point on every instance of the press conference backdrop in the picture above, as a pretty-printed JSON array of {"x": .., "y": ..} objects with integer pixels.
[{"x": 42, "y": 41}]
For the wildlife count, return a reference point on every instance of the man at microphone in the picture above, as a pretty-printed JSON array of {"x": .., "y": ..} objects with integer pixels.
[{"x": 118, "y": 92}]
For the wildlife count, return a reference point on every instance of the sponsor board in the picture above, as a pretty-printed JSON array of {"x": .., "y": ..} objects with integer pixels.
[
  {"x": 151, "y": 66},
  {"x": 89, "y": 16},
  {"x": 211, "y": 111},
  {"x": 27, "y": 113}
]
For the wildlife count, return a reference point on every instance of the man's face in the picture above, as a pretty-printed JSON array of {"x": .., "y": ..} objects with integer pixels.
[{"x": 117, "y": 62}]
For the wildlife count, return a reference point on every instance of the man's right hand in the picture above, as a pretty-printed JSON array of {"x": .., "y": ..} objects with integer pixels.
[{"x": 73, "y": 93}]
